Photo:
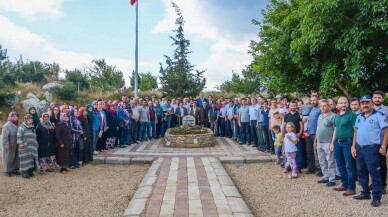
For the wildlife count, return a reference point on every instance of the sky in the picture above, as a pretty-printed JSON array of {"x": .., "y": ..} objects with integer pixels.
[{"x": 74, "y": 32}]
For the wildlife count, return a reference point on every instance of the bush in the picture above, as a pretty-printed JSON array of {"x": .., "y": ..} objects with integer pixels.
[{"x": 67, "y": 92}]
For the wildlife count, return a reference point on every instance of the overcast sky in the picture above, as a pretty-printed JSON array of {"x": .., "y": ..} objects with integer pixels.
[{"x": 72, "y": 33}]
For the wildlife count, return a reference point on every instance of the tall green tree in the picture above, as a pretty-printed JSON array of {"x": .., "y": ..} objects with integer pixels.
[
  {"x": 179, "y": 78},
  {"x": 146, "y": 81},
  {"x": 334, "y": 46},
  {"x": 104, "y": 76},
  {"x": 248, "y": 82},
  {"x": 76, "y": 76}
]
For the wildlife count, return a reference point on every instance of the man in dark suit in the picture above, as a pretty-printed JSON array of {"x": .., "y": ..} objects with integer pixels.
[
  {"x": 180, "y": 112},
  {"x": 194, "y": 111},
  {"x": 203, "y": 115}
]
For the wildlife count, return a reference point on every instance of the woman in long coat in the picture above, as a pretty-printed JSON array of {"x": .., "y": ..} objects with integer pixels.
[
  {"x": 46, "y": 140},
  {"x": 112, "y": 124},
  {"x": 76, "y": 129},
  {"x": 64, "y": 143},
  {"x": 28, "y": 147},
  {"x": 85, "y": 154},
  {"x": 10, "y": 148}
]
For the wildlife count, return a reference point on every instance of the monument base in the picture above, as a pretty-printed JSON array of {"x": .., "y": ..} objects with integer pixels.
[{"x": 190, "y": 140}]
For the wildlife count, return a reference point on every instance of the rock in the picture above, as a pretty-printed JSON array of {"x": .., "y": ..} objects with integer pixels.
[
  {"x": 48, "y": 96},
  {"x": 31, "y": 96},
  {"x": 33, "y": 101},
  {"x": 13, "y": 99},
  {"x": 50, "y": 86}
]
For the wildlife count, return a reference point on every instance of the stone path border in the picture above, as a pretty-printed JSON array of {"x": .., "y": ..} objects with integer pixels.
[
  {"x": 225, "y": 149},
  {"x": 187, "y": 186}
]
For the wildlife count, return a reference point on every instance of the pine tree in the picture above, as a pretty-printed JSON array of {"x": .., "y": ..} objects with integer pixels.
[{"x": 179, "y": 78}]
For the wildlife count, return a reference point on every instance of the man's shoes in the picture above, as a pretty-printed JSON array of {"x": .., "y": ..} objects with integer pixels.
[
  {"x": 16, "y": 172},
  {"x": 330, "y": 184},
  {"x": 337, "y": 177},
  {"x": 320, "y": 174},
  {"x": 362, "y": 197},
  {"x": 323, "y": 181},
  {"x": 310, "y": 172},
  {"x": 375, "y": 203},
  {"x": 349, "y": 193},
  {"x": 340, "y": 188},
  {"x": 7, "y": 174}
]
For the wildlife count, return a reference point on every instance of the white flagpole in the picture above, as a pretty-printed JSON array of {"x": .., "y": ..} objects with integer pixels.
[{"x": 137, "y": 51}]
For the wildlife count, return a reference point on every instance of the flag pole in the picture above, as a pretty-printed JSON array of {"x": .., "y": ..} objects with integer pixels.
[{"x": 137, "y": 51}]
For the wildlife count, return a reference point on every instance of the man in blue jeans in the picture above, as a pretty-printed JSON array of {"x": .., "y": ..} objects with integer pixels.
[
  {"x": 341, "y": 144},
  {"x": 367, "y": 146},
  {"x": 243, "y": 122}
]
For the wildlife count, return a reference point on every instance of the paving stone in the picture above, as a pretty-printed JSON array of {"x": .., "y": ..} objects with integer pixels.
[
  {"x": 232, "y": 160},
  {"x": 98, "y": 160},
  {"x": 230, "y": 191},
  {"x": 237, "y": 205},
  {"x": 135, "y": 208},
  {"x": 144, "y": 160},
  {"x": 143, "y": 192},
  {"x": 242, "y": 215},
  {"x": 258, "y": 159},
  {"x": 117, "y": 160},
  {"x": 148, "y": 181}
]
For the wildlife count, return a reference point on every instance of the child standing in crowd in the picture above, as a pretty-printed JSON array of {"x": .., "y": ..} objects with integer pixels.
[
  {"x": 290, "y": 148},
  {"x": 278, "y": 143}
]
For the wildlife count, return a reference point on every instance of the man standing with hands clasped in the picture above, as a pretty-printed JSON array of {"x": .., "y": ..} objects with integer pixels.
[{"x": 367, "y": 146}]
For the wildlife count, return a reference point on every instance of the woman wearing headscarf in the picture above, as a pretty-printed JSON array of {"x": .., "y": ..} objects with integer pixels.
[
  {"x": 85, "y": 151},
  {"x": 112, "y": 124},
  {"x": 124, "y": 123},
  {"x": 54, "y": 117},
  {"x": 64, "y": 143},
  {"x": 46, "y": 140},
  {"x": 28, "y": 147},
  {"x": 34, "y": 113},
  {"x": 76, "y": 130},
  {"x": 10, "y": 147}
]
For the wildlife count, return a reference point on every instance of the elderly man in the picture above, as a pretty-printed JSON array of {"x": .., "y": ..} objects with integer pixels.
[
  {"x": 201, "y": 99},
  {"x": 322, "y": 142},
  {"x": 366, "y": 148},
  {"x": 341, "y": 144}
]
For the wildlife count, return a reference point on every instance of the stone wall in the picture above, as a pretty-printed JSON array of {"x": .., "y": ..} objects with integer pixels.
[{"x": 190, "y": 140}]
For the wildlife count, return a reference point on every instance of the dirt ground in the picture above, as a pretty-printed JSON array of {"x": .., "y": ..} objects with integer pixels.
[
  {"x": 268, "y": 192},
  {"x": 93, "y": 190}
]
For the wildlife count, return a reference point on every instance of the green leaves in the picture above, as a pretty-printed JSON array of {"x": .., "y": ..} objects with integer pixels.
[
  {"x": 179, "y": 78},
  {"x": 335, "y": 46}
]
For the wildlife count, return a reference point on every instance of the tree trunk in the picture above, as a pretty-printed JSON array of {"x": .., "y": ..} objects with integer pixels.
[{"x": 344, "y": 89}]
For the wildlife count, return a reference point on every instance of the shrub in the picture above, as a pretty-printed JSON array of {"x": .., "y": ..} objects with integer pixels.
[{"x": 67, "y": 92}]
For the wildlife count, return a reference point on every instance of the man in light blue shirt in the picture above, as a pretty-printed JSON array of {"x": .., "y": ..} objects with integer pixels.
[
  {"x": 366, "y": 148},
  {"x": 253, "y": 115},
  {"x": 243, "y": 122},
  {"x": 311, "y": 130}
]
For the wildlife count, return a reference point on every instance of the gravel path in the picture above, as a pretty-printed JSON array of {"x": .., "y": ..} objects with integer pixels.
[
  {"x": 268, "y": 192},
  {"x": 94, "y": 190}
]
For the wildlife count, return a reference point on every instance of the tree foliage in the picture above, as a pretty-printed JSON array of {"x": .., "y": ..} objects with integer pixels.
[
  {"x": 146, "y": 81},
  {"x": 76, "y": 76},
  {"x": 179, "y": 78},
  {"x": 335, "y": 46},
  {"x": 104, "y": 76},
  {"x": 247, "y": 83}
]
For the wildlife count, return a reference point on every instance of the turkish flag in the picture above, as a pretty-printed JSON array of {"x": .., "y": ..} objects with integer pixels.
[{"x": 133, "y": 2}]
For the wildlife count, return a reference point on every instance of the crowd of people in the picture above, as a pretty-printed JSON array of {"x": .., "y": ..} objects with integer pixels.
[{"x": 344, "y": 141}]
